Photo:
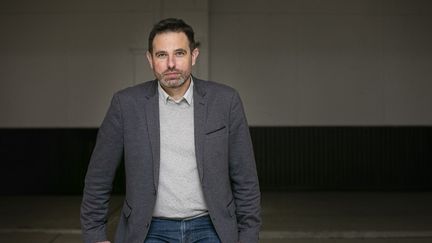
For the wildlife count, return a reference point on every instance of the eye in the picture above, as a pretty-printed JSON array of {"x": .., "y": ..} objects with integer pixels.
[
  {"x": 161, "y": 55},
  {"x": 180, "y": 53}
]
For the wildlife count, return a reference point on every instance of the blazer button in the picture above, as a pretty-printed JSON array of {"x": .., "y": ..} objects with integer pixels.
[{"x": 147, "y": 225}]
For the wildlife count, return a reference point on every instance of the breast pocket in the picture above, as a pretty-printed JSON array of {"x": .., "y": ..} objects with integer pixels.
[
  {"x": 216, "y": 147},
  {"x": 216, "y": 131}
]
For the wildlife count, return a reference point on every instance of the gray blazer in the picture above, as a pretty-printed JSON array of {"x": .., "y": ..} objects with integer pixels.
[{"x": 225, "y": 161}]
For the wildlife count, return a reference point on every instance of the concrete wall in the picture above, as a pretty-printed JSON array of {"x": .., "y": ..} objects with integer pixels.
[
  {"x": 295, "y": 63},
  {"x": 358, "y": 62},
  {"x": 61, "y": 61}
]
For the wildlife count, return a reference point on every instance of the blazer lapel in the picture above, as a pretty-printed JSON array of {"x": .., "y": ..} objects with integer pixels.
[
  {"x": 200, "y": 117},
  {"x": 152, "y": 116}
]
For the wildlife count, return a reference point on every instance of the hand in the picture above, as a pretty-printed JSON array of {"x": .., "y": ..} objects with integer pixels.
[{"x": 103, "y": 242}]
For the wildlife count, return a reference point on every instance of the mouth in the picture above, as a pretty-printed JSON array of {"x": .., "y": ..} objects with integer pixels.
[{"x": 171, "y": 74}]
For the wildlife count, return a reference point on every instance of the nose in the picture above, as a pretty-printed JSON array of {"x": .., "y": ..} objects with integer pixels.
[{"x": 171, "y": 62}]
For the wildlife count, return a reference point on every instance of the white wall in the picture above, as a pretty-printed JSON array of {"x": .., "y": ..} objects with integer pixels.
[
  {"x": 358, "y": 62},
  {"x": 61, "y": 61},
  {"x": 310, "y": 62}
]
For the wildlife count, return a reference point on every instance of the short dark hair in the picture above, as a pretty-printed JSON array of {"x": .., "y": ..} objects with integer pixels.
[{"x": 172, "y": 25}]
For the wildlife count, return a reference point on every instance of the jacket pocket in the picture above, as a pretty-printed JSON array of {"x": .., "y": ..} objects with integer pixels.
[{"x": 216, "y": 131}]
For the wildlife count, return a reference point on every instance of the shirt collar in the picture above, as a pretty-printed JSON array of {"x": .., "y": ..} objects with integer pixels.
[{"x": 188, "y": 96}]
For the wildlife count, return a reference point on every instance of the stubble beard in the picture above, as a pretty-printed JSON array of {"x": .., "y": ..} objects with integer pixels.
[{"x": 172, "y": 83}]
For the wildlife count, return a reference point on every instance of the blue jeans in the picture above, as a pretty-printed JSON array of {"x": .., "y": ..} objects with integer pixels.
[{"x": 196, "y": 230}]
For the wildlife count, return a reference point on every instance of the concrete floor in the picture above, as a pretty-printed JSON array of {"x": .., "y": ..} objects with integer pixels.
[{"x": 303, "y": 217}]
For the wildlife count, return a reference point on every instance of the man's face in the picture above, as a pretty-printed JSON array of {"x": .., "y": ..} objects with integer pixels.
[{"x": 172, "y": 59}]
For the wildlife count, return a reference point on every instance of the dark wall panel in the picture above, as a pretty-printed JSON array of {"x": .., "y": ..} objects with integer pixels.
[
  {"x": 54, "y": 161},
  {"x": 44, "y": 160},
  {"x": 389, "y": 158}
]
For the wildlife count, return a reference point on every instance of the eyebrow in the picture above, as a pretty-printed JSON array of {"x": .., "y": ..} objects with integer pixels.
[
  {"x": 176, "y": 50},
  {"x": 160, "y": 52},
  {"x": 180, "y": 49}
]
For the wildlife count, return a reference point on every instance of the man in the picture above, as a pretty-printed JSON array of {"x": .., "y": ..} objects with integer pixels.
[{"x": 189, "y": 164}]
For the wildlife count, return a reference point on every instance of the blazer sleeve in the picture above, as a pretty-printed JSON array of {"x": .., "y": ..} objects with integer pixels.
[
  {"x": 106, "y": 156},
  {"x": 243, "y": 174}
]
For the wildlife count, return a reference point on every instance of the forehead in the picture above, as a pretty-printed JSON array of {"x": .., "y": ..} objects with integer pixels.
[{"x": 167, "y": 41}]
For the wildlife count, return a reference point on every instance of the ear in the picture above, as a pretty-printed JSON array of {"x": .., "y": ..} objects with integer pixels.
[
  {"x": 195, "y": 54},
  {"x": 150, "y": 59}
]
